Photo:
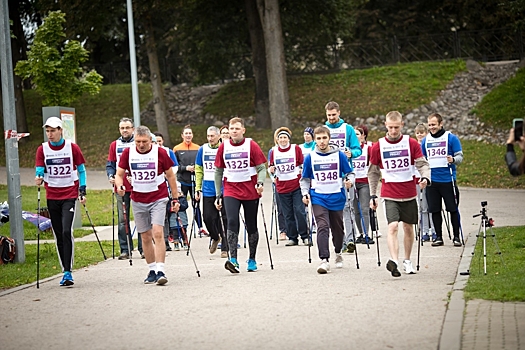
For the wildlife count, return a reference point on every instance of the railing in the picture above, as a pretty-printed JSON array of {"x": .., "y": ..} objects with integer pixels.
[{"x": 486, "y": 46}]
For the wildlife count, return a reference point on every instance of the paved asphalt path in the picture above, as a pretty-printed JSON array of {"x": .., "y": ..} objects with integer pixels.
[{"x": 287, "y": 307}]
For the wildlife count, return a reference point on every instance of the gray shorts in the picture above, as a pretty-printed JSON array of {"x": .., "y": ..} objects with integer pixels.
[
  {"x": 401, "y": 211},
  {"x": 148, "y": 214}
]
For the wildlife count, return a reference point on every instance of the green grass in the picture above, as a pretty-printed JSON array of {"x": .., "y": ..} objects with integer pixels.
[
  {"x": 484, "y": 166},
  {"x": 361, "y": 93},
  {"x": 504, "y": 103},
  {"x": 98, "y": 204},
  {"x": 502, "y": 282},
  {"x": 86, "y": 253}
]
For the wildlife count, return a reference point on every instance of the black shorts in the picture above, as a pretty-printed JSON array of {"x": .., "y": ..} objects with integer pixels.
[
  {"x": 442, "y": 191},
  {"x": 401, "y": 211}
]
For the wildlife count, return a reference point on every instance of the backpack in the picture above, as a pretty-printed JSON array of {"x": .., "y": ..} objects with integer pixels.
[{"x": 7, "y": 250}]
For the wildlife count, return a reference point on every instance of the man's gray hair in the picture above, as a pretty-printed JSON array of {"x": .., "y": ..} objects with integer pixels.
[
  {"x": 214, "y": 129},
  {"x": 142, "y": 131}
]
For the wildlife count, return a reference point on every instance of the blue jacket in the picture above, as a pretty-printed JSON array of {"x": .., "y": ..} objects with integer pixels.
[{"x": 352, "y": 142}]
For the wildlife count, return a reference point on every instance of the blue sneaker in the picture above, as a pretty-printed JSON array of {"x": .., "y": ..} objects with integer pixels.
[
  {"x": 252, "y": 265},
  {"x": 232, "y": 265},
  {"x": 161, "y": 278},
  {"x": 152, "y": 278},
  {"x": 67, "y": 279},
  {"x": 434, "y": 237},
  {"x": 426, "y": 238}
]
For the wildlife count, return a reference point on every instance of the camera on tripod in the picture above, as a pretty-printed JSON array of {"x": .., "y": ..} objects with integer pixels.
[{"x": 489, "y": 222}]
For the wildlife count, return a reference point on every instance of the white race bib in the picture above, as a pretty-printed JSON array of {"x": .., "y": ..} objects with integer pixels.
[
  {"x": 59, "y": 166},
  {"x": 326, "y": 170},
  {"x": 437, "y": 150},
  {"x": 285, "y": 168},
  {"x": 144, "y": 170},
  {"x": 395, "y": 159},
  {"x": 338, "y": 136},
  {"x": 237, "y": 161}
]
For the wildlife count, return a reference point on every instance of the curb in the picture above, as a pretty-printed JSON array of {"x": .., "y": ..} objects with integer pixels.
[{"x": 452, "y": 330}]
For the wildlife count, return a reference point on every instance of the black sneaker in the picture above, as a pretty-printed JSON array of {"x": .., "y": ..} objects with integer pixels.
[
  {"x": 370, "y": 240},
  {"x": 168, "y": 248},
  {"x": 438, "y": 242},
  {"x": 350, "y": 247},
  {"x": 360, "y": 239},
  {"x": 456, "y": 241},
  {"x": 161, "y": 278},
  {"x": 152, "y": 277},
  {"x": 232, "y": 265},
  {"x": 392, "y": 267}
]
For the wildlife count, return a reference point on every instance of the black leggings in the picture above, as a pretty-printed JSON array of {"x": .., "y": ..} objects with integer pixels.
[
  {"x": 233, "y": 206},
  {"x": 62, "y": 214},
  {"x": 450, "y": 195},
  {"x": 212, "y": 219},
  {"x": 196, "y": 210}
]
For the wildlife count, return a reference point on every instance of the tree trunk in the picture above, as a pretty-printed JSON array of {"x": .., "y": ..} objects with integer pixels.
[
  {"x": 275, "y": 64},
  {"x": 159, "y": 103},
  {"x": 262, "y": 99},
  {"x": 17, "y": 45}
]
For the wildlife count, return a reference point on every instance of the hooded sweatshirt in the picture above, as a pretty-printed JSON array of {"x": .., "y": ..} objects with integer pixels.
[{"x": 351, "y": 142}]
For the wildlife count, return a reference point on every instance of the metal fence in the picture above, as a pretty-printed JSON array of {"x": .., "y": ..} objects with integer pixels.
[{"x": 486, "y": 46}]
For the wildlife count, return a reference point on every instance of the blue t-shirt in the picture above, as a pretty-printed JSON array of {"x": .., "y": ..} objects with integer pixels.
[{"x": 331, "y": 201}]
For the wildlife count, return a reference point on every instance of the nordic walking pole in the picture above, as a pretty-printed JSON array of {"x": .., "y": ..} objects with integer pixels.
[
  {"x": 353, "y": 231},
  {"x": 128, "y": 234},
  {"x": 223, "y": 234},
  {"x": 362, "y": 218},
  {"x": 94, "y": 231},
  {"x": 189, "y": 247},
  {"x": 419, "y": 235},
  {"x": 374, "y": 227},
  {"x": 457, "y": 204},
  {"x": 266, "y": 233},
  {"x": 244, "y": 223},
  {"x": 310, "y": 239},
  {"x": 273, "y": 216},
  {"x": 113, "y": 212},
  {"x": 191, "y": 230},
  {"x": 447, "y": 222},
  {"x": 38, "y": 243}
]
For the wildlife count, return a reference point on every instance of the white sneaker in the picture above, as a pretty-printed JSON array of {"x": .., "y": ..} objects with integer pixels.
[
  {"x": 407, "y": 266},
  {"x": 324, "y": 267},
  {"x": 378, "y": 234},
  {"x": 339, "y": 261}
]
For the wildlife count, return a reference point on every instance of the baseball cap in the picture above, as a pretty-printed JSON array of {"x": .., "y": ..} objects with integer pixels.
[{"x": 53, "y": 122}]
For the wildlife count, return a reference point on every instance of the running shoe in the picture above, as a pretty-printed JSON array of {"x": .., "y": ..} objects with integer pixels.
[
  {"x": 176, "y": 246},
  {"x": 168, "y": 248},
  {"x": 350, "y": 247},
  {"x": 252, "y": 265},
  {"x": 307, "y": 242},
  {"x": 152, "y": 277},
  {"x": 392, "y": 267},
  {"x": 370, "y": 240},
  {"x": 291, "y": 243},
  {"x": 407, "y": 266},
  {"x": 232, "y": 265},
  {"x": 434, "y": 237},
  {"x": 438, "y": 242},
  {"x": 426, "y": 238},
  {"x": 338, "y": 261},
  {"x": 282, "y": 236},
  {"x": 67, "y": 279},
  {"x": 360, "y": 239},
  {"x": 214, "y": 244},
  {"x": 203, "y": 232},
  {"x": 123, "y": 256},
  {"x": 324, "y": 267},
  {"x": 456, "y": 241},
  {"x": 161, "y": 278},
  {"x": 170, "y": 238},
  {"x": 224, "y": 254}
]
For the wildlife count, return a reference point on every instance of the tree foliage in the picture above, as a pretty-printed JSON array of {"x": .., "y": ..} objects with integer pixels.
[{"x": 54, "y": 64}]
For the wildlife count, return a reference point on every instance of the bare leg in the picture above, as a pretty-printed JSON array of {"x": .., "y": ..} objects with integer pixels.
[
  {"x": 147, "y": 246},
  {"x": 160, "y": 248},
  {"x": 393, "y": 244},
  {"x": 408, "y": 240}
]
